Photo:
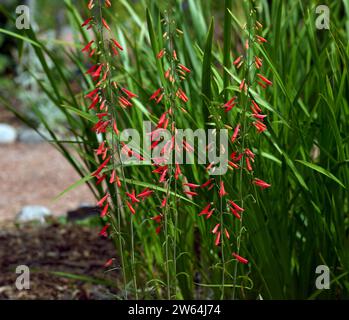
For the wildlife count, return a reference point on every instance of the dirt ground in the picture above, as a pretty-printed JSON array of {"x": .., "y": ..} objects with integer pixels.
[
  {"x": 64, "y": 248},
  {"x": 33, "y": 174}
]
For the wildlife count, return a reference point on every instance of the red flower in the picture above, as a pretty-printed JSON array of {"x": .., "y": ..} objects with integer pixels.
[
  {"x": 235, "y": 134},
  {"x": 109, "y": 262},
  {"x": 100, "y": 202},
  {"x": 218, "y": 238},
  {"x": 215, "y": 229},
  {"x": 155, "y": 94},
  {"x": 191, "y": 185},
  {"x": 105, "y": 210},
  {"x": 105, "y": 24},
  {"x": 222, "y": 191},
  {"x": 163, "y": 203},
  {"x": 237, "y": 60},
  {"x": 264, "y": 79},
  {"x": 184, "y": 68},
  {"x": 101, "y": 167},
  {"x": 161, "y": 53},
  {"x": 129, "y": 93},
  {"x": 248, "y": 164},
  {"x": 117, "y": 44},
  {"x": 103, "y": 232},
  {"x": 133, "y": 211},
  {"x": 86, "y": 22},
  {"x": 236, "y": 206},
  {"x": 177, "y": 171},
  {"x": 235, "y": 213},
  {"x": 205, "y": 210},
  {"x": 239, "y": 258},
  {"x": 157, "y": 218},
  {"x": 88, "y": 46},
  {"x": 145, "y": 193},
  {"x": 261, "y": 39},
  {"x": 132, "y": 196},
  {"x": 261, "y": 183}
]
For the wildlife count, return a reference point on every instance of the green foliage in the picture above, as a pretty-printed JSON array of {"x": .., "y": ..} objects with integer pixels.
[{"x": 303, "y": 219}]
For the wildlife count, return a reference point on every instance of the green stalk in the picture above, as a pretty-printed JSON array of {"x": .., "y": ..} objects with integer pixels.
[{"x": 226, "y": 45}]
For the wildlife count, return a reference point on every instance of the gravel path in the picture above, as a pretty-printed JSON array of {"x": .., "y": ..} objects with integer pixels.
[{"x": 33, "y": 174}]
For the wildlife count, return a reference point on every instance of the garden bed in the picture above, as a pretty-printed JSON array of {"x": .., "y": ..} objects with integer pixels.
[{"x": 53, "y": 253}]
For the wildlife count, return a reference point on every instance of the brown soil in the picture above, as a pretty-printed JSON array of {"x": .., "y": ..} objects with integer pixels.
[
  {"x": 33, "y": 174},
  {"x": 67, "y": 248}
]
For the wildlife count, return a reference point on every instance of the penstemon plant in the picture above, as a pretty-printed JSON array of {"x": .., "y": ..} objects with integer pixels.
[{"x": 121, "y": 205}]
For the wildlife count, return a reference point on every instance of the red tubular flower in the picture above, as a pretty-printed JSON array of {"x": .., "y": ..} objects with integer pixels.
[
  {"x": 115, "y": 128},
  {"x": 133, "y": 211},
  {"x": 100, "y": 202},
  {"x": 129, "y": 93},
  {"x": 232, "y": 164},
  {"x": 235, "y": 134},
  {"x": 222, "y": 191},
  {"x": 163, "y": 203},
  {"x": 239, "y": 258},
  {"x": 100, "y": 179},
  {"x": 184, "y": 68},
  {"x": 261, "y": 183},
  {"x": 235, "y": 213},
  {"x": 109, "y": 263},
  {"x": 88, "y": 46},
  {"x": 101, "y": 167},
  {"x": 260, "y": 126},
  {"x": 218, "y": 238},
  {"x": 191, "y": 193},
  {"x": 145, "y": 193},
  {"x": 248, "y": 164},
  {"x": 155, "y": 94},
  {"x": 242, "y": 84},
  {"x": 177, "y": 171},
  {"x": 205, "y": 210},
  {"x": 207, "y": 183},
  {"x": 236, "y": 206},
  {"x": 105, "y": 24},
  {"x": 215, "y": 229},
  {"x": 157, "y": 218},
  {"x": 264, "y": 79},
  {"x": 90, "y": 5},
  {"x": 227, "y": 233},
  {"x": 261, "y": 39},
  {"x": 161, "y": 53},
  {"x": 87, "y": 21},
  {"x": 103, "y": 232},
  {"x": 237, "y": 60},
  {"x": 117, "y": 44},
  {"x": 249, "y": 153},
  {"x": 256, "y": 106},
  {"x": 158, "y": 100},
  {"x": 105, "y": 210},
  {"x": 259, "y": 116},
  {"x": 94, "y": 102},
  {"x": 158, "y": 229},
  {"x": 132, "y": 196},
  {"x": 209, "y": 214},
  {"x": 191, "y": 185}
]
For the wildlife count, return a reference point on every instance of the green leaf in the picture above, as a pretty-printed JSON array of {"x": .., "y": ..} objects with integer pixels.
[
  {"x": 206, "y": 67},
  {"x": 322, "y": 171}
]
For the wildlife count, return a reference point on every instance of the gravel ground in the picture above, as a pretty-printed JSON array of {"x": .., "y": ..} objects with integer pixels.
[{"x": 33, "y": 174}]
